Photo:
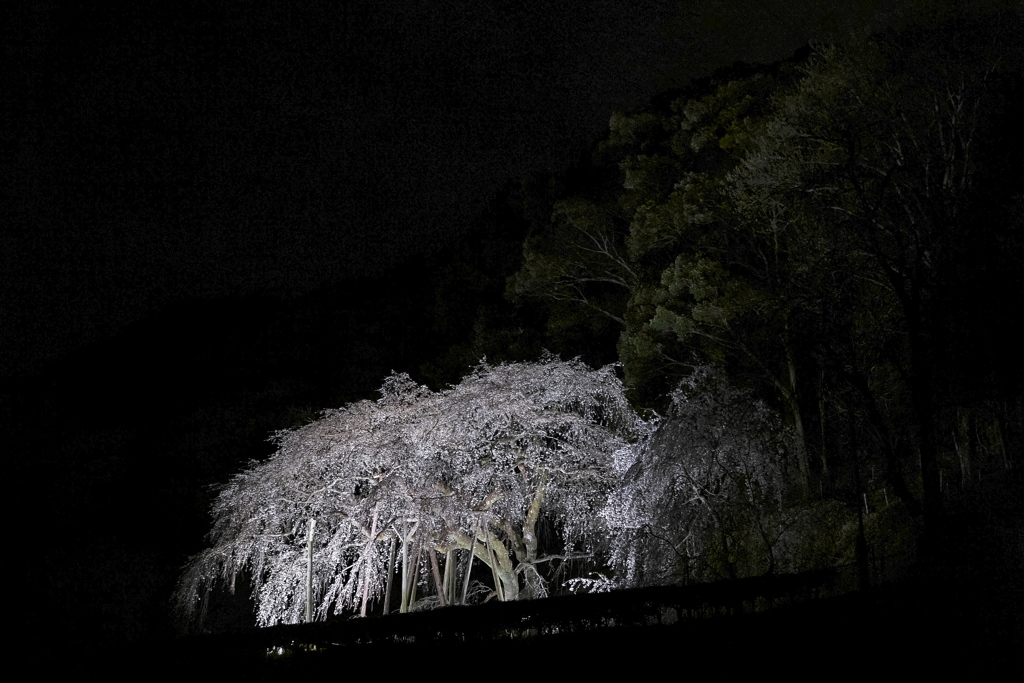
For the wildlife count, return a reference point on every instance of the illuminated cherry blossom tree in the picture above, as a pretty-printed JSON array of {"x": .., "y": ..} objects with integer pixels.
[
  {"x": 702, "y": 497},
  {"x": 375, "y": 492}
]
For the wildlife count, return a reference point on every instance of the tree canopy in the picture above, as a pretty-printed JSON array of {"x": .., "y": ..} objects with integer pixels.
[{"x": 820, "y": 230}]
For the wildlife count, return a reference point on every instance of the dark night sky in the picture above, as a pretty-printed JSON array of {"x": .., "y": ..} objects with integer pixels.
[{"x": 220, "y": 148}]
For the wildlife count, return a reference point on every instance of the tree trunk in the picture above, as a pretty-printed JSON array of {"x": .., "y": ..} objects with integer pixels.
[
  {"x": 309, "y": 571},
  {"x": 403, "y": 607},
  {"x": 469, "y": 570},
  {"x": 366, "y": 561},
  {"x": 495, "y": 555},
  {"x": 492, "y": 560},
  {"x": 449, "y": 576},
  {"x": 532, "y": 515},
  {"x": 506, "y": 573},
  {"x": 414, "y": 574},
  {"x": 438, "y": 584},
  {"x": 392, "y": 556},
  {"x": 405, "y": 537}
]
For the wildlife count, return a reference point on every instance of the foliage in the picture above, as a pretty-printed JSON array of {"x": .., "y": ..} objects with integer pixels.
[{"x": 837, "y": 235}]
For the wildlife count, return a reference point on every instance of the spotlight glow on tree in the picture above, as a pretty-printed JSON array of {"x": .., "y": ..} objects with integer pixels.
[{"x": 370, "y": 493}]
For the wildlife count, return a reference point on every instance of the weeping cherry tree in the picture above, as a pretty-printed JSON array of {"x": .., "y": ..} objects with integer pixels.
[
  {"x": 702, "y": 497},
  {"x": 423, "y": 483}
]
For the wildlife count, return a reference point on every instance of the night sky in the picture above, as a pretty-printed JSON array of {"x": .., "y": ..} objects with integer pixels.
[{"x": 216, "y": 149}]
